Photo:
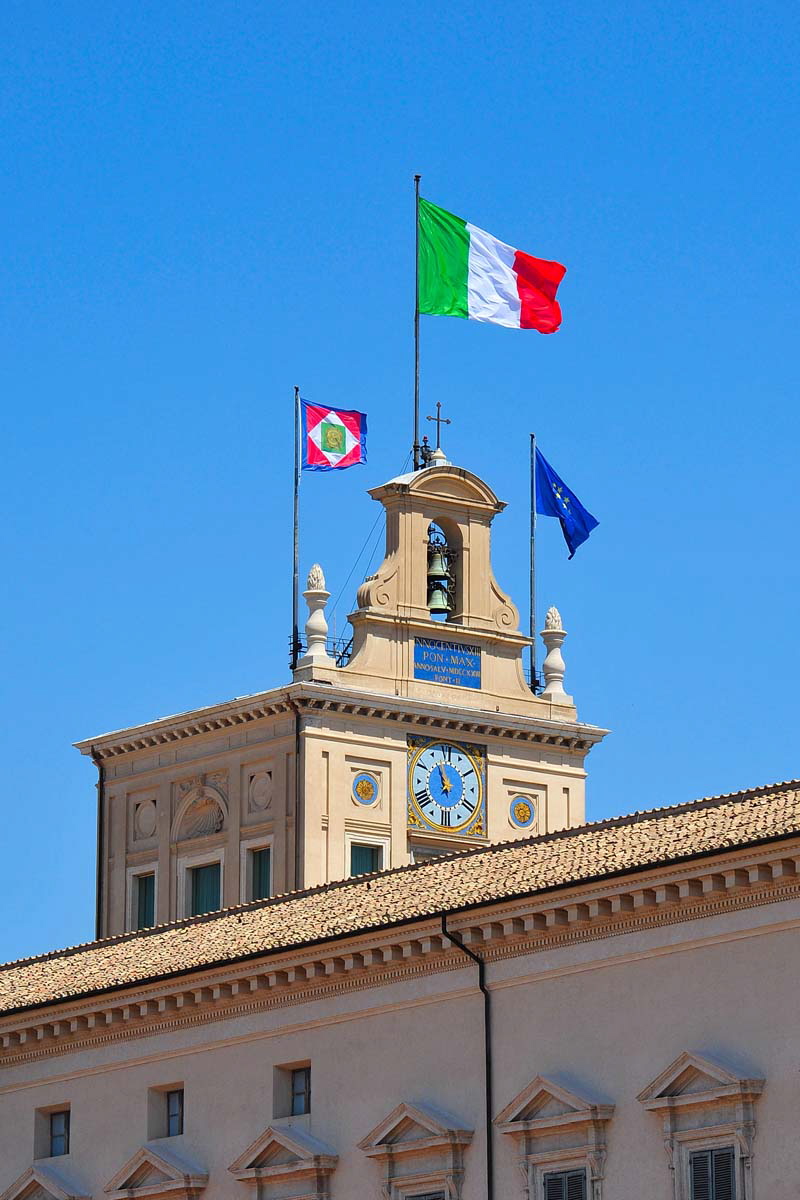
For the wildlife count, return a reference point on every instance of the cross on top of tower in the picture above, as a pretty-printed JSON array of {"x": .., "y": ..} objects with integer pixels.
[{"x": 440, "y": 420}]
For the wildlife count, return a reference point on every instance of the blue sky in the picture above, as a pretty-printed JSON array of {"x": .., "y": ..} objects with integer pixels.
[{"x": 206, "y": 204}]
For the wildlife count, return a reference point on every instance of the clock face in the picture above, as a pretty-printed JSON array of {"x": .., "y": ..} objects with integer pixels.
[{"x": 445, "y": 785}]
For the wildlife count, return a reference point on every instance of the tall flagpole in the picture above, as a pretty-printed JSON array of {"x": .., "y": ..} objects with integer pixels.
[
  {"x": 416, "y": 322},
  {"x": 296, "y": 568},
  {"x": 532, "y": 629}
]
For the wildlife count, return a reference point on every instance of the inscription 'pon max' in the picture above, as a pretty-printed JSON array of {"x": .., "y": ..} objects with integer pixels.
[{"x": 447, "y": 662}]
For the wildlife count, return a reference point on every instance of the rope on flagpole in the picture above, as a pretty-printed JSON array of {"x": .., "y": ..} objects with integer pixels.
[
  {"x": 532, "y": 627},
  {"x": 296, "y": 564},
  {"x": 416, "y": 323}
]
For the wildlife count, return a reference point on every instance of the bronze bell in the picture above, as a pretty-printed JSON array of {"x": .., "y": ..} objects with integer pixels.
[
  {"x": 438, "y": 598},
  {"x": 437, "y": 568}
]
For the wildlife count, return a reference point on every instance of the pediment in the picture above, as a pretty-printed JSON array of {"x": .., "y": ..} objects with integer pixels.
[
  {"x": 155, "y": 1172},
  {"x": 691, "y": 1078},
  {"x": 409, "y": 1126},
  {"x": 43, "y": 1183},
  {"x": 447, "y": 483},
  {"x": 546, "y": 1104},
  {"x": 283, "y": 1153}
]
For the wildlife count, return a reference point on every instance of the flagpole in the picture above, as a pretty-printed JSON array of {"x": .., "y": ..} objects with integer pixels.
[
  {"x": 532, "y": 628},
  {"x": 296, "y": 565},
  {"x": 416, "y": 322}
]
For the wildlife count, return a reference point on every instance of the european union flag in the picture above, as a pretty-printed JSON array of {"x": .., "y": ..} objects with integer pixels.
[{"x": 554, "y": 499}]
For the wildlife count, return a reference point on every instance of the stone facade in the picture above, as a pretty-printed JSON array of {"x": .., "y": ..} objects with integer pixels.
[
  {"x": 634, "y": 1021},
  {"x": 213, "y": 785}
]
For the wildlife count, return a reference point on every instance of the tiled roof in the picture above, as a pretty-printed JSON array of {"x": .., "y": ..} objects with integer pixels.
[{"x": 459, "y": 881}]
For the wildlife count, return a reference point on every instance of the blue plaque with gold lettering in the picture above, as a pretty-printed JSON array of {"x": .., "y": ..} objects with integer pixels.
[{"x": 447, "y": 662}]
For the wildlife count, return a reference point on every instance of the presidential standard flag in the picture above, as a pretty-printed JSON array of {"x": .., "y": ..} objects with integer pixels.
[
  {"x": 465, "y": 272},
  {"x": 333, "y": 438},
  {"x": 554, "y": 499}
]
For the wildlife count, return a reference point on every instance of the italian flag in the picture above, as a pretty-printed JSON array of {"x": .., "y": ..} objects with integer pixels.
[{"x": 465, "y": 272}]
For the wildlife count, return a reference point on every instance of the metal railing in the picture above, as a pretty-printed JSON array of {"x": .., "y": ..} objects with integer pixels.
[{"x": 340, "y": 649}]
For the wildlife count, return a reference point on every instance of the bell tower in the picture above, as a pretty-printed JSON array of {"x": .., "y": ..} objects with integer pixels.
[
  {"x": 433, "y": 623},
  {"x": 427, "y": 740}
]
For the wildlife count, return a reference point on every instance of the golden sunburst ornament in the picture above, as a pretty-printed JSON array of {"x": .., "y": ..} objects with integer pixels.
[{"x": 365, "y": 789}]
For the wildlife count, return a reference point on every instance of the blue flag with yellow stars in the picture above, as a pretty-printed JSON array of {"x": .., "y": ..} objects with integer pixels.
[{"x": 554, "y": 499}]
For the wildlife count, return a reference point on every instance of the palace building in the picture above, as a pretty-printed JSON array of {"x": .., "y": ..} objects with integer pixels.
[{"x": 356, "y": 939}]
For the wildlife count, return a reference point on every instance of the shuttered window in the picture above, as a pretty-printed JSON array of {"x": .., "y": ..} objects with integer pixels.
[
  {"x": 205, "y": 889},
  {"x": 713, "y": 1174},
  {"x": 565, "y": 1185},
  {"x": 145, "y": 901},
  {"x": 261, "y": 874},
  {"x": 365, "y": 859},
  {"x": 429, "y": 1196}
]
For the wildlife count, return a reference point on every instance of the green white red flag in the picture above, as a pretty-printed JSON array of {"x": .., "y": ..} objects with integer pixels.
[{"x": 466, "y": 272}]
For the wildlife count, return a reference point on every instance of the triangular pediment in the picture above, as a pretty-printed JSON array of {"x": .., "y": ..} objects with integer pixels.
[
  {"x": 283, "y": 1152},
  {"x": 548, "y": 1103},
  {"x": 43, "y": 1183},
  {"x": 692, "y": 1075},
  {"x": 154, "y": 1172},
  {"x": 413, "y": 1123}
]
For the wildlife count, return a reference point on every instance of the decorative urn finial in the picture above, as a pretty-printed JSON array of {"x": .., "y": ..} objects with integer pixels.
[
  {"x": 316, "y": 597},
  {"x": 553, "y": 666},
  {"x": 316, "y": 580},
  {"x": 553, "y": 618}
]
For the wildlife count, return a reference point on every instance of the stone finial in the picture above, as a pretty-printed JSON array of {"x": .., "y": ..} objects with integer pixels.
[
  {"x": 316, "y": 580},
  {"x": 553, "y": 618},
  {"x": 316, "y": 597},
  {"x": 553, "y": 666}
]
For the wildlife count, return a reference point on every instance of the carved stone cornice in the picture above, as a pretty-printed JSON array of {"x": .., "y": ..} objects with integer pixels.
[
  {"x": 311, "y": 699},
  {"x": 543, "y": 921}
]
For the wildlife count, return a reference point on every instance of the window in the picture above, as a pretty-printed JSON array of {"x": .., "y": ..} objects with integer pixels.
[
  {"x": 145, "y": 901},
  {"x": 59, "y": 1133},
  {"x": 301, "y": 1091},
  {"x": 565, "y": 1185},
  {"x": 205, "y": 889},
  {"x": 260, "y": 887},
  {"x": 365, "y": 859},
  {"x": 175, "y": 1112},
  {"x": 712, "y": 1174}
]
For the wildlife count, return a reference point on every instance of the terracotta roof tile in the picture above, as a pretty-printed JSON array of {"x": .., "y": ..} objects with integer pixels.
[{"x": 458, "y": 881}]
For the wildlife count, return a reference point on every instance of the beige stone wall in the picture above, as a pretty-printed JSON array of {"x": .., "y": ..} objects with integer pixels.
[
  {"x": 160, "y": 802},
  {"x": 601, "y": 1015}
]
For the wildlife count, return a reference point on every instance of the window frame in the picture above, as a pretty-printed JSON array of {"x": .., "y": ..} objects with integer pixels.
[
  {"x": 59, "y": 1112},
  {"x": 695, "y": 1141},
  {"x": 132, "y": 898},
  {"x": 565, "y": 1172},
  {"x": 180, "y": 1115},
  {"x": 247, "y": 848},
  {"x": 357, "y": 838},
  {"x": 305, "y": 1092},
  {"x": 186, "y": 864}
]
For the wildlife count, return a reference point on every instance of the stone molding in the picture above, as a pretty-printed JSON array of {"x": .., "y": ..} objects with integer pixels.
[
  {"x": 312, "y": 699},
  {"x": 703, "y": 1105},
  {"x": 545, "y": 921},
  {"x": 556, "y": 1128},
  {"x": 40, "y": 1180},
  {"x": 156, "y": 1174},
  {"x": 306, "y": 1171},
  {"x": 419, "y": 1149}
]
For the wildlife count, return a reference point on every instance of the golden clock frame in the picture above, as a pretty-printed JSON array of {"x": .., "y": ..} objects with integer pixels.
[{"x": 415, "y": 818}]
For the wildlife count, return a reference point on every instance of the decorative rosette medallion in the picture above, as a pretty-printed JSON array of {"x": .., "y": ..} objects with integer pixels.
[{"x": 365, "y": 788}]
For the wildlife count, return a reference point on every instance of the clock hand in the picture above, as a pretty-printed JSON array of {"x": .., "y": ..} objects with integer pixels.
[{"x": 446, "y": 784}]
